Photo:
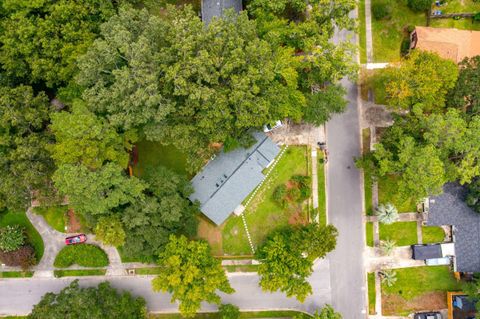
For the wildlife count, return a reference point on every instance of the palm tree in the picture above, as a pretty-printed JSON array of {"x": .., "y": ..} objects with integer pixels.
[
  {"x": 388, "y": 246},
  {"x": 389, "y": 277},
  {"x": 387, "y": 214}
]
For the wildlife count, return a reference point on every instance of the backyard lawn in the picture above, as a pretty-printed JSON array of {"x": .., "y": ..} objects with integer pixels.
[
  {"x": 371, "y": 293},
  {"x": 263, "y": 214},
  {"x": 388, "y": 34},
  {"x": 403, "y": 233},
  {"x": 33, "y": 237},
  {"x": 418, "y": 288},
  {"x": 152, "y": 154},
  {"x": 432, "y": 234},
  {"x": 55, "y": 216},
  {"x": 388, "y": 193}
]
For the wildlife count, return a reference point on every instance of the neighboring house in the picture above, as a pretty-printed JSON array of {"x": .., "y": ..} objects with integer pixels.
[
  {"x": 227, "y": 180},
  {"x": 449, "y": 43},
  {"x": 450, "y": 209},
  {"x": 460, "y": 306},
  {"x": 215, "y": 8}
]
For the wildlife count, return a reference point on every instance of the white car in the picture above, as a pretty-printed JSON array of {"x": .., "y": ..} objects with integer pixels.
[{"x": 269, "y": 127}]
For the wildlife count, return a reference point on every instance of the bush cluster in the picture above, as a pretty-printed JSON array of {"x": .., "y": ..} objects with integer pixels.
[
  {"x": 83, "y": 255},
  {"x": 381, "y": 10},
  {"x": 23, "y": 257},
  {"x": 299, "y": 191},
  {"x": 11, "y": 238}
]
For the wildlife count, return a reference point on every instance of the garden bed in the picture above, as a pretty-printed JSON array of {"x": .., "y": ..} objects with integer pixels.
[
  {"x": 85, "y": 255},
  {"x": 33, "y": 237},
  {"x": 418, "y": 288},
  {"x": 403, "y": 233},
  {"x": 263, "y": 213}
]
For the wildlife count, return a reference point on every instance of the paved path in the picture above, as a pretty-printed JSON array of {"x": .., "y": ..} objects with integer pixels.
[
  {"x": 345, "y": 209},
  {"x": 19, "y": 295}
]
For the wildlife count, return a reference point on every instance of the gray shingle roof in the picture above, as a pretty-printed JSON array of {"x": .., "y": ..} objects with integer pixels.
[
  {"x": 225, "y": 181},
  {"x": 215, "y": 8},
  {"x": 449, "y": 208},
  {"x": 422, "y": 252}
]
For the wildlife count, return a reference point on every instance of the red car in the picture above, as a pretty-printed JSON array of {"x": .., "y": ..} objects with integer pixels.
[{"x": 77, "y": 239}]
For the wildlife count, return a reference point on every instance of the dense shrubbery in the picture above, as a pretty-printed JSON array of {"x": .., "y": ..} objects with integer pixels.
[
  {"x": 381, "y": 10},
  {"x": 23, "y": 257},
  {"x": 82, "y": 255},
  {"x": 420, "y": 5},
  {"x": 297, "y": 191},
  {"x": 11, "y": 238}
]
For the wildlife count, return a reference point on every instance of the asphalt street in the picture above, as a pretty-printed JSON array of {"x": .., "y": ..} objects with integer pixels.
[
  {"x": 17, "y": 296},
  {"x": 345, "y": 205}
]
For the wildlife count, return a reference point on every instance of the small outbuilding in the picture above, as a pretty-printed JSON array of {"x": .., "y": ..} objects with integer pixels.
[{"x": 216, "y": 8}]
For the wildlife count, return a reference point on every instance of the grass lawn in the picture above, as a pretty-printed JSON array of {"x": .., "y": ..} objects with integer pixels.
[
  {"x": 362, "y": 31},
  {"x": 418, "y": 288},
  {"x": 322, "y": 205},
  {"x": 371, "y": 293},
  {"x": 369, "y": 233},
  {"x": 16, "y": 274},
  {"x": 148, "y": 271},
  {"x": 85, "y": 255},
  {"x": 432, "y": 234},
  {"x": 388, "y": 34},
  {"x": 33, "y": 237},
  {"x": 79, "y": 272},
  {"x": 154, "y": 154},
  {"x": 262, "y": 214},
  {"x": 460, "y": 6},
  {"x": 241, "y": 268},
  {"x": 367, "y": 178},
  {"x": 463, "y": 24},
  {"x": 403, "y": 233},
  {"x": 243, "y": 315},
  {"x": 55, "y": 216},
  {"x": 388, "y": 193}
]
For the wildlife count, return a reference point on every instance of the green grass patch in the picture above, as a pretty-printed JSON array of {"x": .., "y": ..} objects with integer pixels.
[
  {"x": 153, "y": 154},
  {"x": 371, "y": 293},
  {"x": 460, "y": 6},
  {"x": 432, "y": 234},
  {"x": 388, "y": 34},
  {"x": 388, "y": 193},
  {"x": 367, "y": 178},
  {"x": 79, "y": 272},
  {"x": 462, "y": 24},
  {"x": 85, "y": 255},
  {"x": 241, "y": 268},
  {"x": 16, "y": 274},
  {"x": 415, "y": 287},
  {"x": 362, "y": 30},
  {"x": 55, "y": 216},
  {"x": 148, "y": 271},
  {"x": 263, "y": 214},
  {"x": 243, "y": 315},
  {"x": 403, "y": 233},
  {"x": 33, "y": 237},
  {"x": 322, "y": 200},
  {"x": 369, "y": 233}
]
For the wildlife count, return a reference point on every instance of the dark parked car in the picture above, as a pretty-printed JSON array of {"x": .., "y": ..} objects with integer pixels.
[
  {"x": 428, "y": 315},
  {"x": 77, "y": 239}
]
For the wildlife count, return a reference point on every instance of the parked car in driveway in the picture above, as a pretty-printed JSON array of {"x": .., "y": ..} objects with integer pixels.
[
  {"x": 428, "y": 315},
  {"x": 77, "y": 239}
]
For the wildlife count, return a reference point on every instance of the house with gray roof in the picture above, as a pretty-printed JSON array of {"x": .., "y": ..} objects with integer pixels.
[
  {"x": 216, "y": 8},
  {"x": 226, "y": 181},
  {"x": 449, "y": 208}
]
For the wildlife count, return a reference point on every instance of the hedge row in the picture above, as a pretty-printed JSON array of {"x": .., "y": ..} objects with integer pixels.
[{"x": 82, "y": 255}]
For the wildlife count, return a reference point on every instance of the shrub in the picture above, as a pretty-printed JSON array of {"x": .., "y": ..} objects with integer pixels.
[
  {"x": 279, "y": 195},
  {"x": 420, "y": 5},
  {"x": 381, "y": 10},
  {"x": 11, "y": 238},
  {"x": 405, "y": 46},
  {"x": 228, "y": 311},
  {"x": 83, "y": 255},
  {"x": 23, "y": 257},
  {"x": 304, "y": 186},
  {"x": 294, "y": 194},
  {"x": 109, "y": 230},
  {"x": 387, "y": 214}
]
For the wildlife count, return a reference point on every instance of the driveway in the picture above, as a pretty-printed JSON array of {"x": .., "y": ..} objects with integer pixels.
[
  {"x": 345, "y": 207},
  {"x": 17, "y": 296}
]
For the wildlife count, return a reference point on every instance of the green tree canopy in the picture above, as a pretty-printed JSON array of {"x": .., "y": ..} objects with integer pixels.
[
  {"x": 191, "y": 274},
  {"x": 41, "y": 40},
  {"x": 420, "y": 5},
  {"x": 109, "y": 230},
  {"x": 163, "y": 210},
  {"x": 287, "y": 258},
  {"x": 94, "y": 302},
  {"x": 327, "y": 312},
  {"x": 465, "y": 94},
  {"x": 85, "y": 139},
  {"x": 228, "y": 311},
  {"x": 25, "y": 163},
  {"x": 422, "y": 79}
]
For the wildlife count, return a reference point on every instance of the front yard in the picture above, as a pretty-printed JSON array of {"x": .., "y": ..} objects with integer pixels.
[
  {"x": 418, "y": 288},
  {"x": 403, "y": 233},
  {"x": 55, "y": 216},
  {"x": 388, "y": 193}
]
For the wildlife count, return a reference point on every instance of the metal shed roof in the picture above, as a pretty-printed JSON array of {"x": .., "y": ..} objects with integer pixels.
[
  {"x": 215, "y": 8},
  {"x": 227, "y": 180},
  {"x": 423, "y": 252}
]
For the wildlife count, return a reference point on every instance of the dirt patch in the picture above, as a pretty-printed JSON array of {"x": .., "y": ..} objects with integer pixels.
[
  {"x": 297, "y": 218},
  {"x": 395, "y": 304},
  {"x": 212, "y": 234},
  {"x": 74, "y": 225}
]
